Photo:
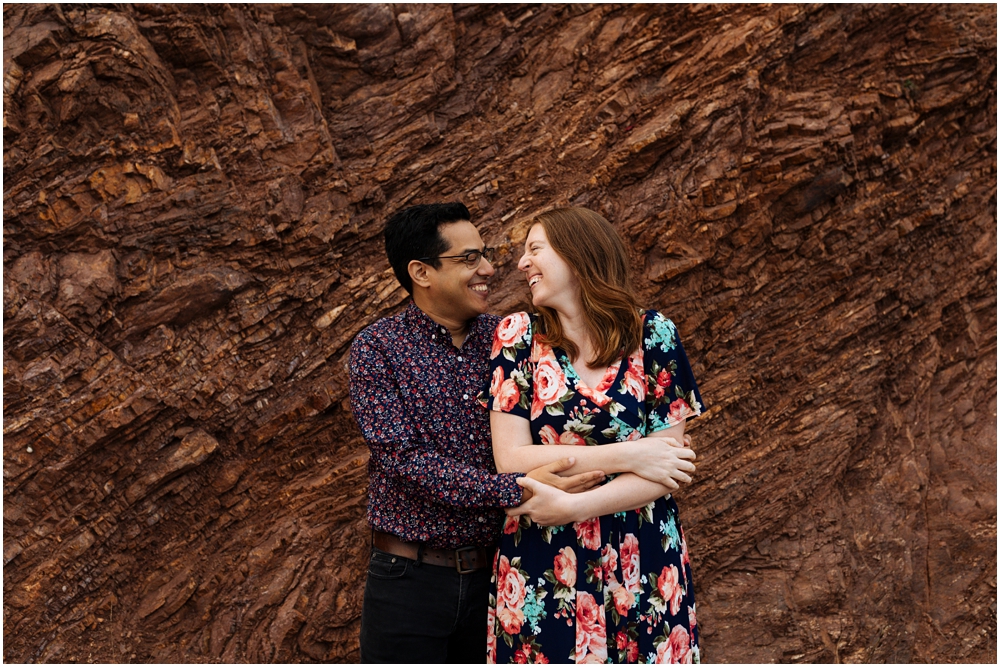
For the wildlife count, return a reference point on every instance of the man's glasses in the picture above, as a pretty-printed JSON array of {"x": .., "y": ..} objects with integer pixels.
[{"x": 471, "y": 258}]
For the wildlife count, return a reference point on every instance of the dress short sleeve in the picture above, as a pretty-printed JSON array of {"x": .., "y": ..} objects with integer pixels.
[
  {"x": 671, "y": 392},
  {"x": 510, "y": 388}
]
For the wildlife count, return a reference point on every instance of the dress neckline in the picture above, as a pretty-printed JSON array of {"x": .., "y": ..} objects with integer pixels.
[{"x": 612, "y": 375}]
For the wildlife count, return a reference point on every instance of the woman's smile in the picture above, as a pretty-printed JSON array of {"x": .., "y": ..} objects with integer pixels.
[{"x": 540, "y": 259}]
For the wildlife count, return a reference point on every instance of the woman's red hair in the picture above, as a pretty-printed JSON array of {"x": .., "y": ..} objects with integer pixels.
[{"x": 596, "y": 254}]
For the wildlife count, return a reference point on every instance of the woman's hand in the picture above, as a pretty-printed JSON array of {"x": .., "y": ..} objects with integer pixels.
[
  {"x": 550, "y": 474},
  {"x": 546, "y": 506},
  {"x": 664, "y": 460}
]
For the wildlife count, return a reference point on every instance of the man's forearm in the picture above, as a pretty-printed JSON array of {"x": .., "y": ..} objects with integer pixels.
[{"x": 448, "y": 481}]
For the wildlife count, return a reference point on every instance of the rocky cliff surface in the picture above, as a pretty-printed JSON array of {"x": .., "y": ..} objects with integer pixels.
[{"x": 193, "y": 201}]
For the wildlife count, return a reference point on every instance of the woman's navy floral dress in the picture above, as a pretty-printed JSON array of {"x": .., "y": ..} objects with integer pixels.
[{"x": 615, "y": 588}]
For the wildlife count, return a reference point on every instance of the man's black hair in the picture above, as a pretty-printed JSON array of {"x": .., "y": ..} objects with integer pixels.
[{"x": 414, "y": 233}]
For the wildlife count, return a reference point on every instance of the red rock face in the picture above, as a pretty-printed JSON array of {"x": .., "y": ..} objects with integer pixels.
[{"x": 193, "y": 204}]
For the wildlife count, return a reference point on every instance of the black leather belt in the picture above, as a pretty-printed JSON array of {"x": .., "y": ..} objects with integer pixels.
[{"x": 464, "y": 559}]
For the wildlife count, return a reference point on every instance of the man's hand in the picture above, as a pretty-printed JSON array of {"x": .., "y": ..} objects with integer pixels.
[
  {"x": 663, "y": 460},
  {"x": 549, "y": 475},
  {"x": 547, "y": 506}
]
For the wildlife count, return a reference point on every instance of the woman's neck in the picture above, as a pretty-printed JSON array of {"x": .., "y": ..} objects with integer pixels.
[{"x": 574, "y": 325}]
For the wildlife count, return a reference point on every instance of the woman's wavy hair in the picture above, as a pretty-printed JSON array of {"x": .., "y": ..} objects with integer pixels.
[{"x": 596, "y": 255}]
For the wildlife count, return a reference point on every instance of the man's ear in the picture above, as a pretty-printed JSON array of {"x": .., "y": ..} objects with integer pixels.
[{"x": 418, "y": 273}]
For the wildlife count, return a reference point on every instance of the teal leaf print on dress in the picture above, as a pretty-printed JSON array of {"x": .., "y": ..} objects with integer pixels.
[
  {"x": 670, "y": 529},
  {"x": 663, "y": 334},
  {"x": 534, "y": 608},
  {"x": 671, "y": 538}
]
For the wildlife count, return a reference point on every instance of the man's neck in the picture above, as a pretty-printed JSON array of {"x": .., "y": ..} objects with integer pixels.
[{"x": 458, "y": 329}]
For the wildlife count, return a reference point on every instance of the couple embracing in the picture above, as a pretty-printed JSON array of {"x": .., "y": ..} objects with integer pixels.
[{"x": 521, "y": 467}]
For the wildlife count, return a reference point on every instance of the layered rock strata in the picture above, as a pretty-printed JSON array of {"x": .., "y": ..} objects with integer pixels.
[{"x": 193, "y": 205}]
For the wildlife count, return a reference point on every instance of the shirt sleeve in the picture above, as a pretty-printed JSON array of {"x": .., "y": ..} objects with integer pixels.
[
  {"x": 510, "y": 387},
  {"x": 380, "y": 411},
  {"x": 671, "y": 392}
]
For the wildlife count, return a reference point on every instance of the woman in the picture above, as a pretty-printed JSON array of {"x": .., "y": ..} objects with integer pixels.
[{"x": 604, "y": 576}]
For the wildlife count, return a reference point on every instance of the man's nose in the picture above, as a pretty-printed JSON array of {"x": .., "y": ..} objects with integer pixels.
[{"x": 485, "y": 268}]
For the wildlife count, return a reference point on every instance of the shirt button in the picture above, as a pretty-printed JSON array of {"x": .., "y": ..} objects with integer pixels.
[
  {"x": 465, "y": 397},
  {"x": 482, "y": 519},
  {"x": 460, "y": 359},
  {"x": 434, "y": 337},
  {"x": 472, "y": 436}
]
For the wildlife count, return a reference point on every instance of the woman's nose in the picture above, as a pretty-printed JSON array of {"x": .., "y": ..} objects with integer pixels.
[{"x": 522, "y": 264}]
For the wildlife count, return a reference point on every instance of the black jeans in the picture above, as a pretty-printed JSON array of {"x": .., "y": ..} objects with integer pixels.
[{"x": 415, "y": 612}]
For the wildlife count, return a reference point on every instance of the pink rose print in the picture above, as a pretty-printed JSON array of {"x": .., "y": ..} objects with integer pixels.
[
  {"x": 635, "y": 378},
  {"x": 591, "y": 637},
  {"x": 597, "y": 398},
  {"x": 564, "y": 567},
  {"x": 670, "y": 588},
  {"x": 678, "y": 411},
  {"x": 510, "y": 330},
  {"x": 677, "y": 648},
  {"x": 609, "y": 562},
  {"x": 522, "y": 656},
  {"x": 692, "y": 618},
  {"x": 664, "y": 379},
  {"x": 570, "y": 438},
  {"x": 507, "y": 396},
  {"x": 588, "y": 533},
  {"x": 630, "y": 563},
  {"x": 496, "y": 381},
  {"x": 510, "y": 620},
  {"x": 623, "y": 600},
  {"x": 491, "y": 636},
  {"x": 510, "y": 525},
  {"x": 510, "y": 597},
  {"x": 685, "y": 555},
  {"x": 550, "y": 384},
  {"x": 597, "y": 394},
  {"x": 549, "y": 435}
]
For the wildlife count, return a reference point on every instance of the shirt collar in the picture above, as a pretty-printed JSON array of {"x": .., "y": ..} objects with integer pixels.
[{"x": 423, "y": 326}]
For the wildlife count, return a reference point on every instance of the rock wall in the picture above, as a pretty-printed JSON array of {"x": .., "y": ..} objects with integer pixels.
[{"x": 192, "y": 213}]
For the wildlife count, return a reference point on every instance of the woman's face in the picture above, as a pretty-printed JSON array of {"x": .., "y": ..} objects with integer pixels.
[{"x": 550, "y": 279}]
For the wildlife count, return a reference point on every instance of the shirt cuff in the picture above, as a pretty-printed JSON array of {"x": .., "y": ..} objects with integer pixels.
[{"x": 510, "y": 491}]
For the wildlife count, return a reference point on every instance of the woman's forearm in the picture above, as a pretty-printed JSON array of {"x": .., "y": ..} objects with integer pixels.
[
  {"x": 611, "y": 458},
  {"x": 626, "y": 492}
]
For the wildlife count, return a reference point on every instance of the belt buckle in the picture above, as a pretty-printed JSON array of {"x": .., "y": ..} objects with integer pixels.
[{"x": 459, "y": 565}]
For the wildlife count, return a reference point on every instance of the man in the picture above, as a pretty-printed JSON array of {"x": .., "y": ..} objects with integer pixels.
[{"x": 434, "y": 499}]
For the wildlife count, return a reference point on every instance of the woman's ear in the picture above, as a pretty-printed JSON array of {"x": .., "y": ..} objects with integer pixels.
[{"x": 418, "y": 273}]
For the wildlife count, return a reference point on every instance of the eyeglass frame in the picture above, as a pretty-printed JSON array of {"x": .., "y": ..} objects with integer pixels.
[{"x": 486, "y": 253}]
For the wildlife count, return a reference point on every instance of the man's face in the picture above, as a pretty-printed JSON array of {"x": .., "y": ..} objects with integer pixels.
[{"x": 455, "y": 287}]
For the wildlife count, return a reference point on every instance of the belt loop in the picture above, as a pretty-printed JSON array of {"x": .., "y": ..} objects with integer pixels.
[{"x": 420, "y": 553}]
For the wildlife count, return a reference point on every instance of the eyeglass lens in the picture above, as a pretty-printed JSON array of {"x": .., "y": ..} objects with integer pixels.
[{"x": 473, "y": 258}]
